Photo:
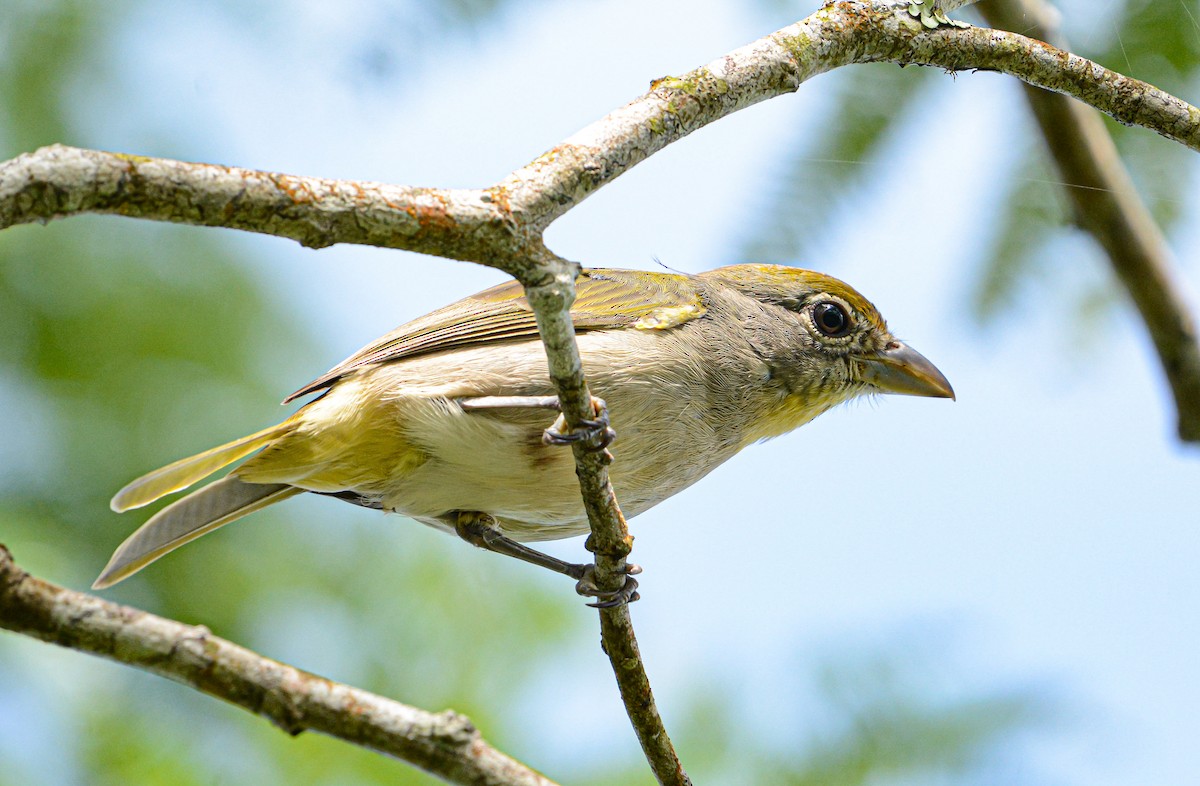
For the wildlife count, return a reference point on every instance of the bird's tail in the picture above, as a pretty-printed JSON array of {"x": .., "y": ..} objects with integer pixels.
[
  {"x": 183, "y": 473},
  {"x": 198, "y": 513}
]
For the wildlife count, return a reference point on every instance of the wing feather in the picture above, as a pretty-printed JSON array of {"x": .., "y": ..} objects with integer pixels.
[{"x": 605, "y": 300}]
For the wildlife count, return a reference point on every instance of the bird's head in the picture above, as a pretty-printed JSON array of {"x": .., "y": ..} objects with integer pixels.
[{"x": 832, "y": 343}]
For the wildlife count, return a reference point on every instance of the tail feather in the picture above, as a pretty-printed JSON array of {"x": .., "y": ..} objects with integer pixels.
[
  {"x": 200, "y": 512},
  {"x": 185, "y": 472}
]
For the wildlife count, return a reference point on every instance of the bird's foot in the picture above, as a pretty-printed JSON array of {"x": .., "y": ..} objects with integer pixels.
[
  {"x": 479, "y": 529},
  {"x": 931, "y": 14},
  {"x": 607, "y": 599},
  {"x": 595, "y": 433}
]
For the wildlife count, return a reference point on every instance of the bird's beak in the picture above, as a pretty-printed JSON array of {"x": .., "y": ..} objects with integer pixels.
[{"x": 901, "y": 369}]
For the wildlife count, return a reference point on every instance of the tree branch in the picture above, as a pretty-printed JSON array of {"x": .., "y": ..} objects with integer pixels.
[
  {"x": 839, "y": 34},
  {"x": 59, "y": 181},
  {"x": 443, "y": 744},
  {"x": 1107, "y": 206},
  {"x": 495, "y": 225}
]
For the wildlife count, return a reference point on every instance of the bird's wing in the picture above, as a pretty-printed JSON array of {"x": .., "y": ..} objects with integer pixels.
[{"x": 605, "y": 299}]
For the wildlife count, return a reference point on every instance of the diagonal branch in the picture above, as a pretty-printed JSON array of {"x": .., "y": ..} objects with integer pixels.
[
  {"x": 839, "y": 34},
  {"x": 444, "y": 744},
  {"x": 1108, "y": 207}
]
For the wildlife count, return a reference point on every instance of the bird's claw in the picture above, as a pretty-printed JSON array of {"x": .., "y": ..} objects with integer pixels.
[
  {"x": 608, "y": 599},
  {"x": 595, "y": 433}
]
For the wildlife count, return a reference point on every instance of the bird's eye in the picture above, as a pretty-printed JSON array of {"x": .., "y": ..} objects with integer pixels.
[{"x": 831, "y": 319}]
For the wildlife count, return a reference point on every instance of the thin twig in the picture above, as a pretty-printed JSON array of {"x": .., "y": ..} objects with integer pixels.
[
  {"x": 444, "y": 744},
  {"x": 1107, "y": 206},
  {"x": 610, "y": 541},
  {"x": 620, "y": 644}
]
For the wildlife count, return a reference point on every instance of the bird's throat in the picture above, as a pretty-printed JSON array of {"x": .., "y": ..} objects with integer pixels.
[{"x": 788, "y": 412}]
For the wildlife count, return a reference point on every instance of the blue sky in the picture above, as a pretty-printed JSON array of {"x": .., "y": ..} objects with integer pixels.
[{"x": 1042, "y": 530}]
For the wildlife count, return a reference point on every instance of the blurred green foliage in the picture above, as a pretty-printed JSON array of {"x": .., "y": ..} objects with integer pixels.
[
  {"x": 892, "y": 714},
  {"x": 891, "y": 724},
  {"x": 124, "y": 345},
  {"x": 820, "y": 173}
]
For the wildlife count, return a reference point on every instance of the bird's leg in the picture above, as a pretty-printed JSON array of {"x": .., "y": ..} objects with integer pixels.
[
  {"x": 479, "y": 529},
  {"x": 595, "y": 433}
]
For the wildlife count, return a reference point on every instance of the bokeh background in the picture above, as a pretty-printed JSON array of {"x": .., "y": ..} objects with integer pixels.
[{"x": 995, "y": 591}]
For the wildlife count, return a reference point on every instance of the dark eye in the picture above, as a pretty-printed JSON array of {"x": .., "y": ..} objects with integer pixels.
[{"x": 831, "y": 319}]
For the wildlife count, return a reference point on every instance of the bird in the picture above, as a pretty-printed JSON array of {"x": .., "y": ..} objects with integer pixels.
[{"x": 443, "y": 420}]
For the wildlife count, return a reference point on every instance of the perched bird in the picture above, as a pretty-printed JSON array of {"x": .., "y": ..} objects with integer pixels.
[{"x": 443, "y": 419}]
